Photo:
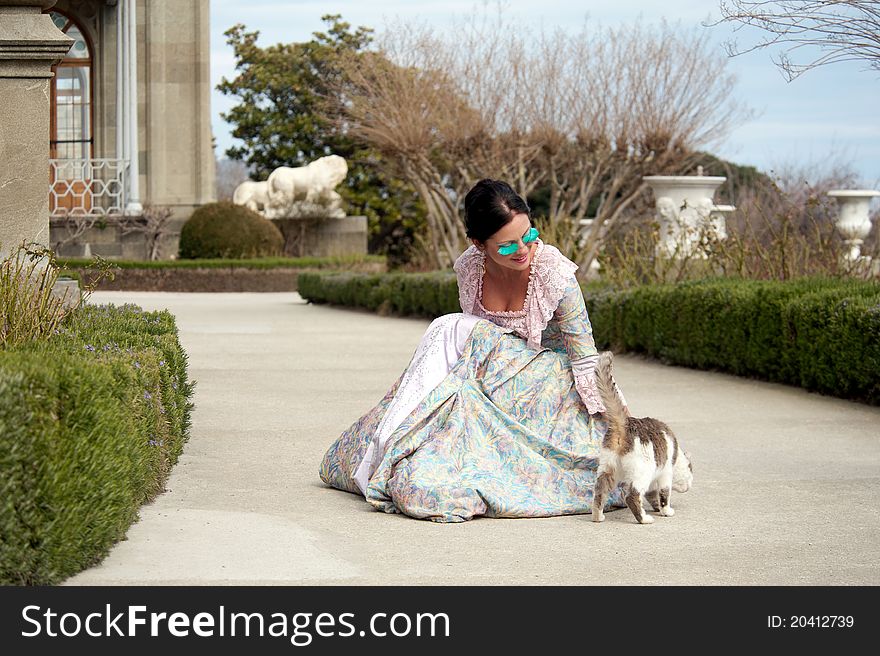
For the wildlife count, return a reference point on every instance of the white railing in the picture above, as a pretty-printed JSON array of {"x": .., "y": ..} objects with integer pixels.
[{"x": 87, "y": 187}]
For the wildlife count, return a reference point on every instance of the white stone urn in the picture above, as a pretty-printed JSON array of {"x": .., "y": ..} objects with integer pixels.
[
  {"x": 854, "y": 221},
  {"x": 685, "y": 209}
]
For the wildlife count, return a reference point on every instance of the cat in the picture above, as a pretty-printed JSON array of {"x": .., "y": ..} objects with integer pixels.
[{"x": 643, "y": 453}]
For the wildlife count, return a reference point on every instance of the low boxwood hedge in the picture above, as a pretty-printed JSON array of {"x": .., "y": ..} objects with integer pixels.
[
  {"x": 91, "y": 421},
  {"x": 818, "y": 333},
  {"x": 331, "y": 262},
  {"x": 407, "y": 294}
]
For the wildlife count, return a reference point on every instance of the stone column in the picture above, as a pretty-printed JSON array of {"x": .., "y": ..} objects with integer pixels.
[
  {"x": 133, "y": 206},
  {"x": 30, "y": 45}
]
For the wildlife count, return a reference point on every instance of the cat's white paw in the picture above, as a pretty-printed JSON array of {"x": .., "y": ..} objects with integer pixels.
[
  {"x": 598, "y": 517},
  {"x": 647, "y": 519},
  {"x": 667, "y": 511}
]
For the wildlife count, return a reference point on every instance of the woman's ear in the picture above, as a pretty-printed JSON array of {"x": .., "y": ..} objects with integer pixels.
[{"x": 480, "y": 245}]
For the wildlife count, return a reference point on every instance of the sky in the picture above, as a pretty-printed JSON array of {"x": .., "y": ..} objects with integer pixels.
[{"x": 828, "y": 114}]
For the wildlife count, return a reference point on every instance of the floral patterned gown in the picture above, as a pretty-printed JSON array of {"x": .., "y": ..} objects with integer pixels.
[{"x": 492, "y": 416}]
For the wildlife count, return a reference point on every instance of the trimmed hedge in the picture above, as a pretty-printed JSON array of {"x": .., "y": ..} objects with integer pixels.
[
  {"x": 408, "y": 294},
  {"x": 91, "y": 422},
  {"x": 333, "y": 262},
  {"x": 819, "y": 334},
  {"x": 224, "y": 229},
  {"x": 270, "y": 274}
]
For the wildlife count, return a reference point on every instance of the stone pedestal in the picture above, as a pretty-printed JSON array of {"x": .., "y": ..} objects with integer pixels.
[
  {"x": 324, "y": 237},
  {"x": 30, "y": 45}
]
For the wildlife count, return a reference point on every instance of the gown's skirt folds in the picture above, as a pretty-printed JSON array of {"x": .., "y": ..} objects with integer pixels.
[{"x": 504, "y": 434}]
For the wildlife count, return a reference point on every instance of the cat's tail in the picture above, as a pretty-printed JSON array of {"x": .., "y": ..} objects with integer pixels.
[{"x": 615, "y": 410}]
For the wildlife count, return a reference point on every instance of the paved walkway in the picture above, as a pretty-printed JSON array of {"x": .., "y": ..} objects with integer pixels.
[{"x": 786, "y": 482}]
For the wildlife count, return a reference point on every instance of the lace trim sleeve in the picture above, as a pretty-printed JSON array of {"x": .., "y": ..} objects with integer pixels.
[
  {"x": 468, "y": 275},
  {"x": 553, "y": 273},
  {"x": 584, "y": 371},
  {"x": 586, "y": 387}
]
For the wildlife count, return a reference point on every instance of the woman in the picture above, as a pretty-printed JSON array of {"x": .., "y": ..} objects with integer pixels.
[{"x": 497, "y": 413}]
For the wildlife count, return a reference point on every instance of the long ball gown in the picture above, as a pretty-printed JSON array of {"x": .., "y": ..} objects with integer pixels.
[{"x": 496, "y": 415}]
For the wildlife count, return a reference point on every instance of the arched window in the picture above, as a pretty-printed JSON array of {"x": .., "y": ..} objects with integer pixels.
[{"x": 71, "y": 110}]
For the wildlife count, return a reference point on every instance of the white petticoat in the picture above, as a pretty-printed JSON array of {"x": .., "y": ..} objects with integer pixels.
[{"x": 439, "y": 349}]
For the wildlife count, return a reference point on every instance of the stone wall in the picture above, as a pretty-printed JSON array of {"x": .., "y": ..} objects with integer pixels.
[
  {"x": 324, "y": 237},
  {"x": 108, "y": 240}
]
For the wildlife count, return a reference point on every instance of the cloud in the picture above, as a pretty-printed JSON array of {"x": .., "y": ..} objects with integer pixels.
[{"x": 826, "y": 106}]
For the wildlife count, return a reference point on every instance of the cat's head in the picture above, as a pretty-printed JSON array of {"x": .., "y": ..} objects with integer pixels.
[{"x": 682, "y": 472}]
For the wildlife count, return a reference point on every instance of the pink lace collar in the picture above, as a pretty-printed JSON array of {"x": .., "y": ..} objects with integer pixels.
[{"x": 549, "y": 275}]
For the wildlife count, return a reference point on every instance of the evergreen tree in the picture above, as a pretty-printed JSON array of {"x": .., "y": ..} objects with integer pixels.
[{"x": 282, "y": 120}]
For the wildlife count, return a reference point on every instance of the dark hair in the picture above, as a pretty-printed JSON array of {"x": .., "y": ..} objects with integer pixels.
[{"x": 489, "y": 206}]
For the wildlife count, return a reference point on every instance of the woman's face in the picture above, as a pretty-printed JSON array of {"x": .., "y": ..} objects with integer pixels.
[{"x": 511, "y": 235}]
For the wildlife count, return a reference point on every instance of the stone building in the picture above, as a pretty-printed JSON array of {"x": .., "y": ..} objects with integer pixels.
[{"x": 130, "y": 124}]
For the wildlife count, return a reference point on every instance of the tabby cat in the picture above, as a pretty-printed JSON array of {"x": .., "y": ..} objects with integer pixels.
[{"x": 644, "y": 453}]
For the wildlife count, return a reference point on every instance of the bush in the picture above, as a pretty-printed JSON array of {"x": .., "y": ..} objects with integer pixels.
[
  {"x": 782, "y": 229},
  {"x": 822, "y": 334},
  {"x": 29, "y": 309},
  {"x": 225, "y": 230},
  {"x": 91, "y": 421},
  {"x": 70, "y": 265},
  {"x": 408, "y": 294}
]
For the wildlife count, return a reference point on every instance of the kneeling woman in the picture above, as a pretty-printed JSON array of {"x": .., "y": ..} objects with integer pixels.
[{"x": 497, "y": 413}]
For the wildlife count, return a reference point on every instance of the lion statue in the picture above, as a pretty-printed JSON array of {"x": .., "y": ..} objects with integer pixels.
[
  {"x": 252, "y": 195},
  {"x": 306, "y": 191}
]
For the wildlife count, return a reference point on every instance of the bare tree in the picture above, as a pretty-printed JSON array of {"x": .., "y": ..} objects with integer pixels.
[
  {"x": 407, "y": 100},
  {"x": 153, "y": 224},
  {"x": 631, "y": 101},
  {"x": 783, "y": 228},
  {"x": 67, "y": 230},
  {"x": 842, "y": 30},
  {"x": 230, "y": 174},
  {"x": 583, "y": 115}
]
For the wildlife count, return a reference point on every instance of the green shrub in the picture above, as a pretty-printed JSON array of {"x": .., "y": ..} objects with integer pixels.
[
  {"x": 835, "y": 338},
  {"x": 29, "y": 309},
  {"x": 91, "y": 421},
  {"x": 376, "y": 262},
  {"x": 226, "y": 230},
  {"x": 822, "y": 334},
  {"x": 408, "y": 294}
]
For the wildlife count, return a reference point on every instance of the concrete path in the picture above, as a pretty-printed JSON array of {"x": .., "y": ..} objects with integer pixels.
[{"x": 786, "y": 482}]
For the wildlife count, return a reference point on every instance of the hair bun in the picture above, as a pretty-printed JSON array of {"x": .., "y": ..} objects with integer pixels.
[{"x": 489, "y": 206}]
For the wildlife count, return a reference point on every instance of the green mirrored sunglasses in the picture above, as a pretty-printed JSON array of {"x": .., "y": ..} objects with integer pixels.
[{"x": 528, "y": 238}]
